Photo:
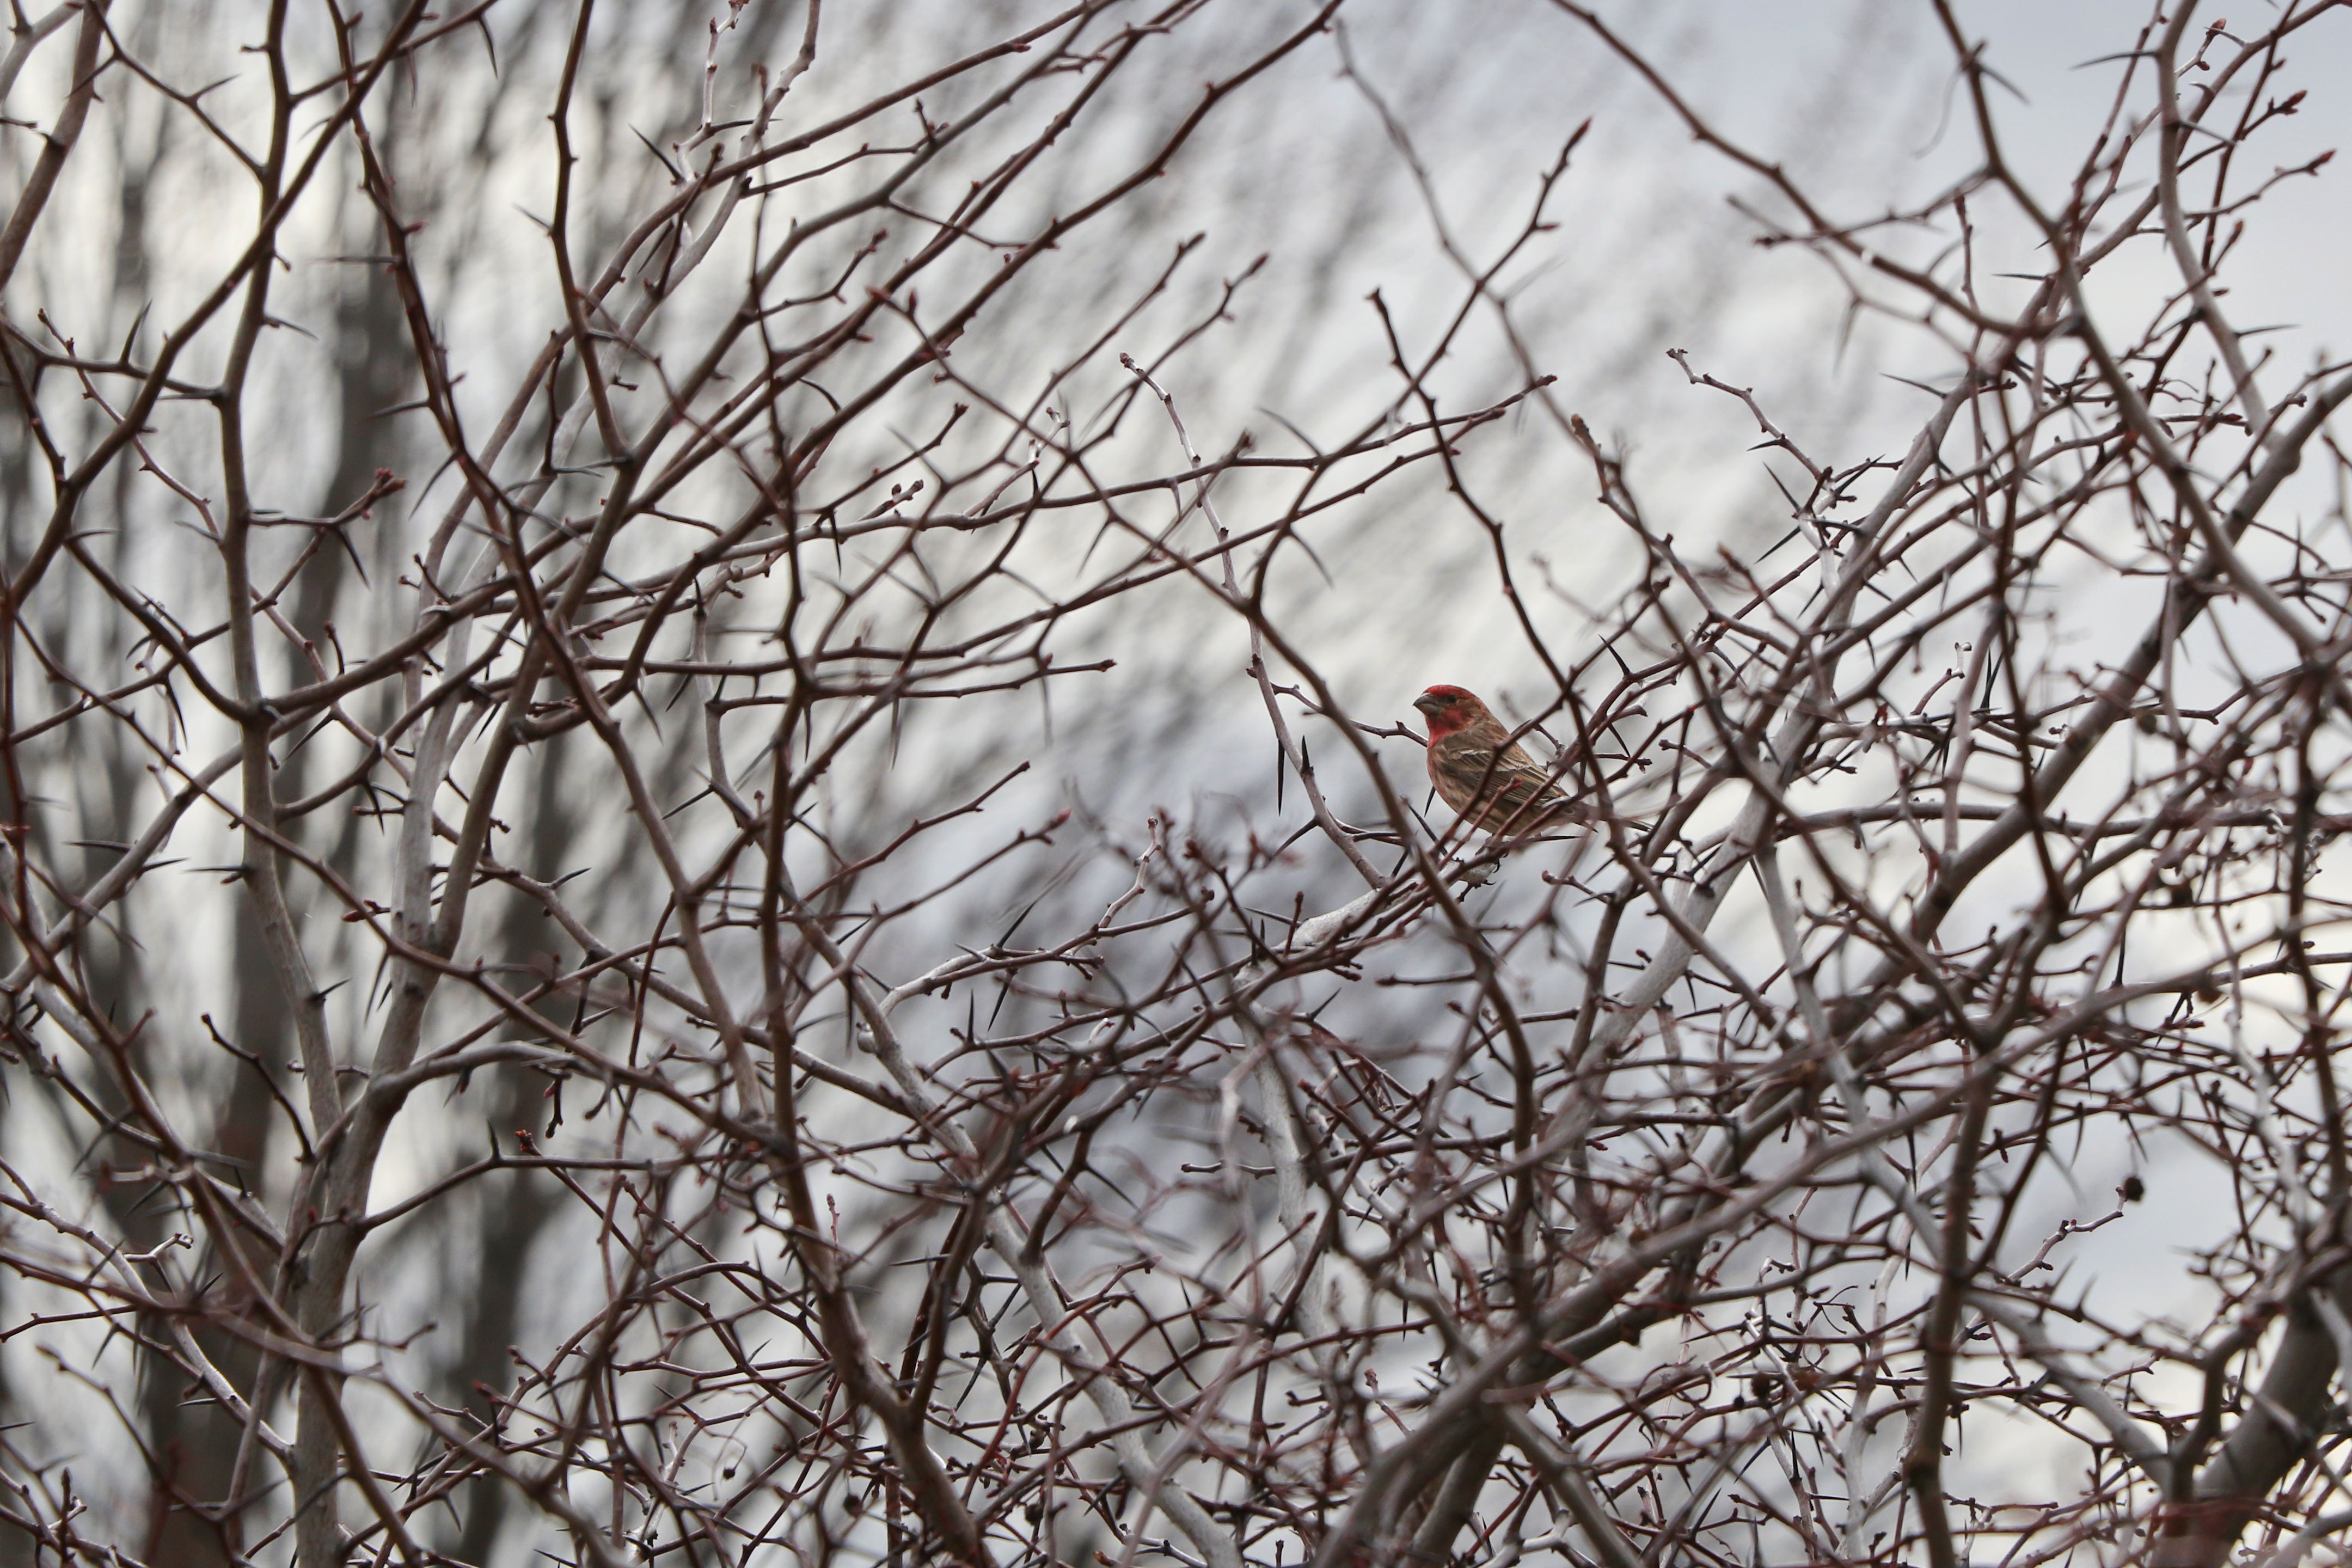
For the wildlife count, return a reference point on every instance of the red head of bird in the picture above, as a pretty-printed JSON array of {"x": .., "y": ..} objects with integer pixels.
[{"x": 1449, "y": 709}]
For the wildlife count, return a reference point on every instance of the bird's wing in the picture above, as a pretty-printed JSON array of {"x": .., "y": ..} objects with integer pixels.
[
  {"x": 1522, "y": 777},
  {"x": 1516, "y": 789}
]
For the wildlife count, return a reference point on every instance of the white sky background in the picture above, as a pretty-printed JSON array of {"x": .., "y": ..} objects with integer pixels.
[
  {"x": 1857, "y": 97},
  {"x": 1862, "y": 104}
]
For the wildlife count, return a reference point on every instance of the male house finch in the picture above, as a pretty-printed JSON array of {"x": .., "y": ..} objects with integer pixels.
[{"x": 1485, "y": 776}]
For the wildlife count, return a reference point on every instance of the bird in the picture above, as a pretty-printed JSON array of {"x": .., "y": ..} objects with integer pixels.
[{"x": 1487, "y": 778}]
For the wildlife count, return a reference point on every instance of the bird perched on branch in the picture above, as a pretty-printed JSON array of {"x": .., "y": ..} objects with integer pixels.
[{"x": 1487, "y": 778}]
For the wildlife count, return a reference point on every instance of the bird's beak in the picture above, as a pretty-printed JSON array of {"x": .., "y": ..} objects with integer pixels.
[{"x": 1426, "y": 703}]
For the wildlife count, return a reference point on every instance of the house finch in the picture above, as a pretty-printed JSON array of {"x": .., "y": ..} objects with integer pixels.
[{"x": 1487, "y": 778}]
